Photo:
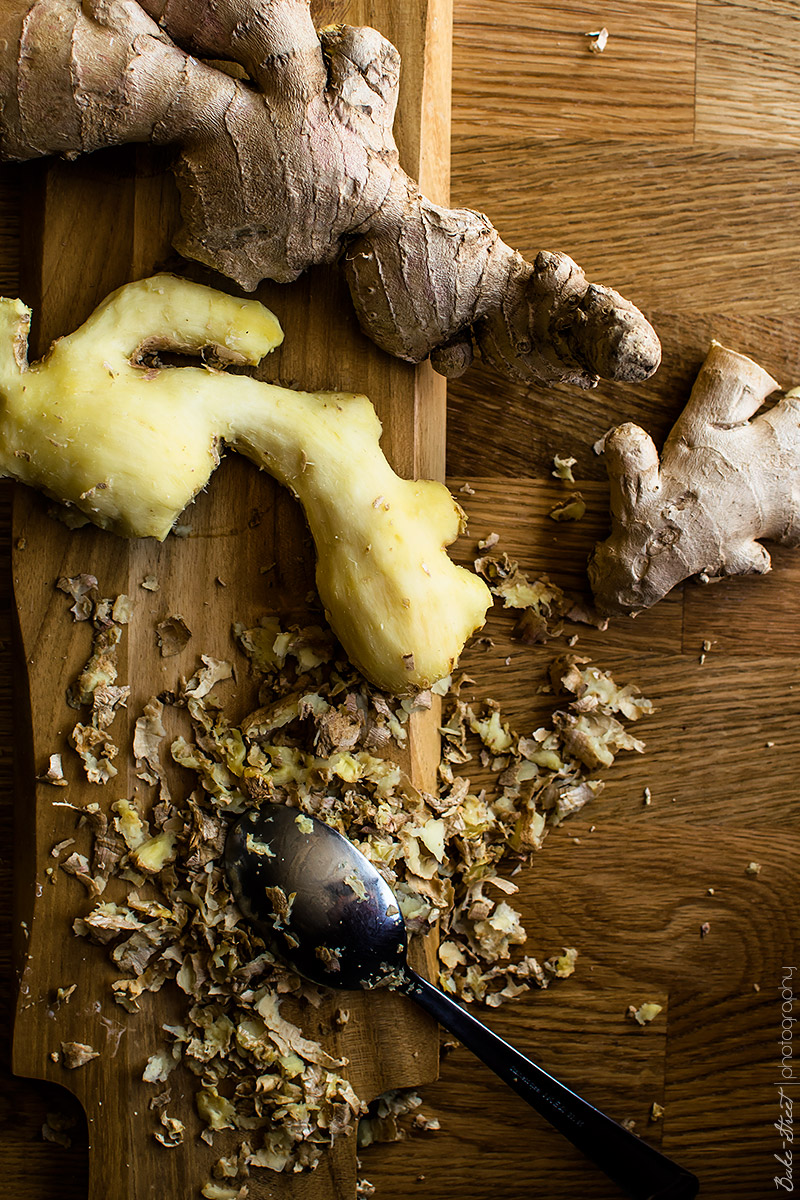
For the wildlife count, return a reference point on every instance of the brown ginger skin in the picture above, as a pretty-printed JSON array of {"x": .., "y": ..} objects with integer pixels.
[
  {"x": 295, "y": 164},
  {"x": 724, "y": 481}
]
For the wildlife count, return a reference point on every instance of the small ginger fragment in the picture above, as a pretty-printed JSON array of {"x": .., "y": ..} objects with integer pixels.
[
  {"x": 54, "y": 775},
  {"x": 563, "y": 465},
  {"x": 598, "y": 40},
  {"x": 220, "y": 1191},
  {"x": 129, "y": 823},
  {"x": 152, "y": 855},
  {"x": 172, "y": 1130},
  {"x": 77, "y": 1054},
  {"x": 645, "y": 1013},
  {"x": 64, "y": 995},
  {"x": 540, "y": 600},
  {"x": 158, "y": 1068},
  {"x": 83, "y": 590},
  {"x": 564, "y": 965},
  {"x": 173, "y": 635},
  {"x": 573, "y": 508}
]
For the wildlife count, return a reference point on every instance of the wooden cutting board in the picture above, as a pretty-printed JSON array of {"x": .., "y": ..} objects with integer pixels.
[{"x": 91, "y": 226}]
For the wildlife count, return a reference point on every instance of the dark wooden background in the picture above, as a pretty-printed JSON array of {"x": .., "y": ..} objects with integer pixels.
[{"x": 668, "y": 167}]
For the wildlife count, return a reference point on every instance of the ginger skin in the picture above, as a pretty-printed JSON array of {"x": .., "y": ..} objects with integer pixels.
[
  {"x": 295, "y": 165},
  {"x": 724, "y": 482},
  {"x": 131, "y": 446}
]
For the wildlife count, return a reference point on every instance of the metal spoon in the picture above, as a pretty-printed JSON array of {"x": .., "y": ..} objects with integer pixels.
[{"x": 339, "y": 924}]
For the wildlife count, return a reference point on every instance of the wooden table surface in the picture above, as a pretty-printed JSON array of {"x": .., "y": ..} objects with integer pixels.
[{"x": 668, "y": 167}]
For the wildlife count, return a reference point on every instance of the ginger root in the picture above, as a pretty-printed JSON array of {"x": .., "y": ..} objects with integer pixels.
[
  {"x": 724, "y": 482},
  {"x": 293, "y": 163},
  {"x": 131, "y": 446}
]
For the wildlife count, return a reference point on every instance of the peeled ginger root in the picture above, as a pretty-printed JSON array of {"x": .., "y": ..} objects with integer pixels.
[{"x": 131, "y": 446}]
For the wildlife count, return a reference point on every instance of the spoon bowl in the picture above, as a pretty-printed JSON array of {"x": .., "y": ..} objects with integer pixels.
[
  {"x": 327, "y": 909},
  {"x": 319, "y": 899}
]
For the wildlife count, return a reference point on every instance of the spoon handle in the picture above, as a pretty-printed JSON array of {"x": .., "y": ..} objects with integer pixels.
[{"x": 640, "y": 1170}]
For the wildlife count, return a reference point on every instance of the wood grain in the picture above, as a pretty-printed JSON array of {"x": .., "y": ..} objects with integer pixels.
[
  {"x": 693, "y": 229},
  {"x": 667, "y": 168},
  {"x": 745, "y": 66},
  {"x": 530, "y": 74}
]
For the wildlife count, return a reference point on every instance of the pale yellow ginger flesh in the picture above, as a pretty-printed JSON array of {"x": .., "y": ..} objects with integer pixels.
[{"x": 131, "y": 446}]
